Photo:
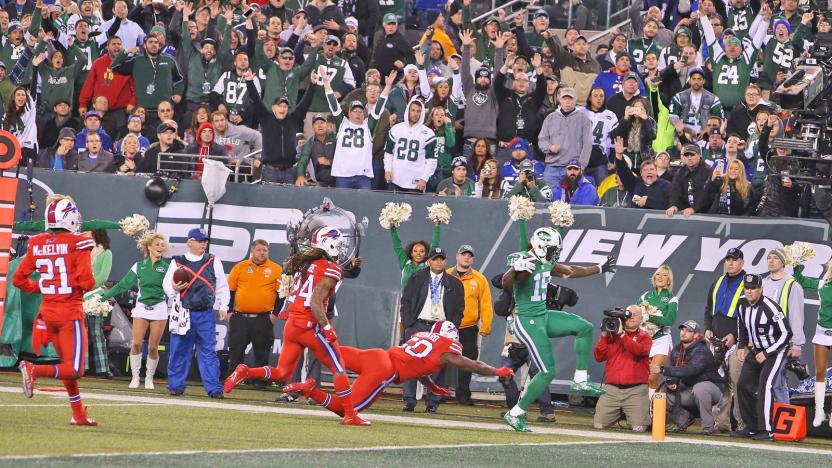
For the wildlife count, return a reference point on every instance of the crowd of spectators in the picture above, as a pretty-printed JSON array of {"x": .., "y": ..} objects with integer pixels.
[{"x": 678, "y": 115}]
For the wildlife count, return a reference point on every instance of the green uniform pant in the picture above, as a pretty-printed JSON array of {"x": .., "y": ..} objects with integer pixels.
[{"x": 535, "y": 331}]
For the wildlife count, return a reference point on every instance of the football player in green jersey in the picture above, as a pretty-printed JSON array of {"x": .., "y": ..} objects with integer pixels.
[{"x": 534, "y": 326}]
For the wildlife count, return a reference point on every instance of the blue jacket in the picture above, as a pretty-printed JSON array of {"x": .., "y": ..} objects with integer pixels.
[
  {"x": 585, "y": 194},
  {"x": 431, "y": 4},
  {"x": 510, "y": 170},
  {"x": 199, "y": 297},
  {"x": 699, "y": 365},
  {"x": 610, "y": 81},
  {"x": 81, "y": 141}
]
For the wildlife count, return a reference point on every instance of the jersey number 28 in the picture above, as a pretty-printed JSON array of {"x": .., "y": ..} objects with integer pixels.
[{"x": 53, "y": 277}]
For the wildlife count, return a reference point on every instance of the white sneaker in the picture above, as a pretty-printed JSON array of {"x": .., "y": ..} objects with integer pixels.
[
  {"x": 148, "y": 383},
  {"x": 134, "y": 382}
]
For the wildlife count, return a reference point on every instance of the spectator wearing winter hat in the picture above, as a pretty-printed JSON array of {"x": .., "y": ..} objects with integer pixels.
[
  {"x": 92, "y": 124},
  {"x": 62, "y": 155},
  {"x": 575, "y": 188},
  {"x": 780, "y": 55},
  {"x": 458, "y": 184},
  {"x": 482, "y": 106},
  {"x": 204, "y": 146},
  {"x": 519, "y": 110},
  {"x": 510, "y": 170},
  {"x": 62, "y": 118},
  {"x": 527, "y": 185},
  {"x": 404, "y": 91}
]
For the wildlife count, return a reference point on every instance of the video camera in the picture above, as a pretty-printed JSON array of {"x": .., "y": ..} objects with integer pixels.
[
  {"x": 558, "y": 297},
  {"x": 614, "y": 319},
  {"x": 720, "y": 350}
]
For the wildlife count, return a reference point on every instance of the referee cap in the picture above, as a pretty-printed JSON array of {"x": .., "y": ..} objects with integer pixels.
[{"x": 752, "y": 281}]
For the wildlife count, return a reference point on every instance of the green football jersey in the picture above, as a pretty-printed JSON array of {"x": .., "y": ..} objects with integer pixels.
[
  {"x": 397, "y": 7},
  {"x": 730, "y": 78},
  {"x": 777, "y": 55},
  {"x": 638, "y": 48},
  {"x": 739, "y": 20},
  {"x": 530, "y": 294}
]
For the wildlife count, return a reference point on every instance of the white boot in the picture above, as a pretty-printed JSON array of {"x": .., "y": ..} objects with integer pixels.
[
  {"x": 820, "y": 395},
  {"x": 135, "y": 369},
  {"x": 150, "y": 372}
]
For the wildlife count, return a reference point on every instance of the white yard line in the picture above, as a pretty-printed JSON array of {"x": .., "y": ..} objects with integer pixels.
[
  {"x": 610, "y": 436},
  {"x": 97, "y": 405}
]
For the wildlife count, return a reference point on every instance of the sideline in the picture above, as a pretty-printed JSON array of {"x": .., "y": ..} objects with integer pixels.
[{"x": 609, "y": 436}]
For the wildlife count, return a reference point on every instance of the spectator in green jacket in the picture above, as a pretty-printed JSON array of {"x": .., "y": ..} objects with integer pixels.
[
  {"x": 204, "y": 64},
  {"x": 458, "y": 184}
]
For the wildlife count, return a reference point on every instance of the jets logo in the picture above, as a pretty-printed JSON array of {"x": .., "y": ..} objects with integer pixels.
[{"x": 480, "y": 98}]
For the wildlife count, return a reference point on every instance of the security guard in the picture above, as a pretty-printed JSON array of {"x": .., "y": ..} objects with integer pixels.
[
  {"x": 254, "y": 283},
  {"x": 721, "y": 321},
  {"x": 764, "y": 336}
]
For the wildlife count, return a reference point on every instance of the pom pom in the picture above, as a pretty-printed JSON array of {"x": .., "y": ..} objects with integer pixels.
[
  {"x": 562, "y": 216},
  {"x": 94, "y": 306},
  {"x": 394, "y": 214},
  {"x": 520, "y": 207},
  {"x": 648, "y": 311},
  {"x": 798, "y": 253},
  {"x": 285, "y": 286},
  {"x": 439, "y": 213},
  {"x": 134, "y": 225}
]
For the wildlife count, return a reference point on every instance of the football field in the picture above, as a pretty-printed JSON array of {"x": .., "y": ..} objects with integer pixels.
[{"x": 149, "y": 428}]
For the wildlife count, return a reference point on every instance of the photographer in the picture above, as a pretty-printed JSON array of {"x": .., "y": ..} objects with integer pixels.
[
  {"x": 527, "y": 185},
  {"x": 721, "y": 323},
  {"x": 693, "y": 380},
  {"x": 627, "y": 356},
  {"x": 781, "y": 195}
]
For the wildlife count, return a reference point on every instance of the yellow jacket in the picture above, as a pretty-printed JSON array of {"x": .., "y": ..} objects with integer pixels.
[
  {"x": 441, "y": 37},
  {"x": 478, "y": 307}
]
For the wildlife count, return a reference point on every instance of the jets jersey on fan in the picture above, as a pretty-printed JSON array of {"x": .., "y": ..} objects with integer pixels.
[
  {"x": 339, "y": 73},
  {"x": 354, "y": 147},
  {"x": 638, "y": 48},
  {"x": 410, "y": 152},
  {"x": 530, "y": 294},
  {"x": 233, "y": 92},
  {"x": 730, "y": 76},
  {"x": 397, "y": 7},
  {"x": 603, "y": 123},
  {"x": 781, "y": 55},
  {"x": 739, "y": 20},
  {"x": 669, "y": 56}
]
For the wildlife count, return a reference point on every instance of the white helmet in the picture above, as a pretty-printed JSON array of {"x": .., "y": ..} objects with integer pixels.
[
  {"x": 546, "y": 244},
  {"x": 446, "y": 329},
  {"x": 63, "y": 214},
  {"x": 328, "y": 239}
]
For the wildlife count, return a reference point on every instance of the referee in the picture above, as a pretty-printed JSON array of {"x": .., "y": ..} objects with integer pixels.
[
  {"x": 764, "y": 336},
  {"x": 253, "y": 283}
]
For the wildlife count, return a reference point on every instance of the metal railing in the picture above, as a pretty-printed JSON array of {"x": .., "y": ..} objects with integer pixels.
[{"x": 184, "y": 165}]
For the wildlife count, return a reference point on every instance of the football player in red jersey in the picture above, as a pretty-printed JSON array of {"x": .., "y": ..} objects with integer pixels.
[
  {"x": 422, "y": 355},
  {"x": 316, "y": 276},
  {"x": 62, "y": 257}
]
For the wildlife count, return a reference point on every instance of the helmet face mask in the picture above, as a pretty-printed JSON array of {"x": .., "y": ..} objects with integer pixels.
[
  {"x": 447, "y": 329},
  {"x": 328, "y": 239},
  {"x": 546, "y": 244},
  {"x": 62, "y": 214}
]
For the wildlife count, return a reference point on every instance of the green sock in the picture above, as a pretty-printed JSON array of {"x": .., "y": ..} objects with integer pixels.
[
  {"x": 538, "y": 385},
  {"x": 583, "y": 347}
]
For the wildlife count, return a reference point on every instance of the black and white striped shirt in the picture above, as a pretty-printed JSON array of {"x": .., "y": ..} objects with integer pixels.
[{"x": 763, "y": 325}]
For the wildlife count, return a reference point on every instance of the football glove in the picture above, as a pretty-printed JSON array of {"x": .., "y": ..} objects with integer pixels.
[
  {"x": 609, "y": 265},
  {"x": 503, "y": 372},
  {"x": 523, "y": 264},
  {"x": 329, "y": 333}
]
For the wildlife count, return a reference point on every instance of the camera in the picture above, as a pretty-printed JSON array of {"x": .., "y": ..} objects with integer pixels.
[
  {"x": 800, "y": 369},
  {"x": 529, "y": 175},
  {"x": 613, "y": 322},
  {"x": 719, "y": 350},
  {"x": 558, "y": 297}
]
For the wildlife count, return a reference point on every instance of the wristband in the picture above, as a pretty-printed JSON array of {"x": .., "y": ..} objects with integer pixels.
[{"x": 328, "y": 327}]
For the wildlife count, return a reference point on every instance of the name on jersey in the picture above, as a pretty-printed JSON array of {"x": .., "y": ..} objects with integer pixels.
[{"x": 50, "y": 249}]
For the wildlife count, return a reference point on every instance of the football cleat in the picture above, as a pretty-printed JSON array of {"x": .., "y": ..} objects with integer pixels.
[
  {"x": 518, "y": 423},
  {"x": 27, "y": 372},
  {"x": 354, "y": 420},
  {"x": 83, "y": 422},
  {"x": 586, "y": 389},
  {"x": 239, "y": 374},
  {"x": 303, "y": 388}
]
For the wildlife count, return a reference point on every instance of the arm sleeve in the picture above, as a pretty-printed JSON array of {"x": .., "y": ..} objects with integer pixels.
[
  {"x": 600, "y": 350},
  {"x": 625, "y": 174},
  {"x": 222, "y": 294},
  {"x": 742, "y": 338},
  {"x": 424, "y": 86},
  {"x": 401, "y": 255},
  {"x": 21, "y": 276},
  {"x": 167, "y": 282},
  {"x": 101, "y": 268},
  {"x": 124, "y": 284},
  {"x": 303, "y": 161},
  {"x": 809, "y": 284},
  {"x": 456, "y": 87},
  {"x": 796, "y": 317},
  {"x": 669, "y": 312},
  {"x": 467, "y": 79},
  {"x": 435, "y": 237},
  {"x": 785, "y": 334}
]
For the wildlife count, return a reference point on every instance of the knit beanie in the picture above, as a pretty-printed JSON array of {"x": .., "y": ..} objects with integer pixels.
[{"x": 781, "y": 254}]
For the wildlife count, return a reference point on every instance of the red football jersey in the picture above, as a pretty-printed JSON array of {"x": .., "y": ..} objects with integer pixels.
[
  {"x": 420, "y": 355},
  {"x": 65, "y": 267},
  {"x": 299, "y": 302}
]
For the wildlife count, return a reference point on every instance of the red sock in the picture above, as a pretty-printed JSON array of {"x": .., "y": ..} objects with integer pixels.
[
  {"x": 344, "y": 392},
  {"x": 328, "y": 401},
  {"x": 59, "y": 371},
  {"x": 78, "y": 410},
  {"x": 265, "y": 373}
]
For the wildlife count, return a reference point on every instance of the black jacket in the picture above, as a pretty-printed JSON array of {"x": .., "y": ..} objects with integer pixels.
[
  {"x": 741, "y": 117},
  {"x": 699, "y": 365},
  {"x": 151, "y": 157},
  {"x": 511, "y": 105},
  {"x": 695, "y": 181},
  {"x": 11, "y": 9},
  {"x": 279, "y": 147},
  {"x": 736, "y": 206},
  {"x": 777, "y": 200},
  {"x": 147, "y": 16},
  {"x": 416, "y": 292},
  {"x": 388, "y": 50},
  {"x": 658, "y": 193}
]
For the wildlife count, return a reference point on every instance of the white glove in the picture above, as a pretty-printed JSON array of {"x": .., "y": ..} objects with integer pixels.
[{"x": 523, "y": 264}]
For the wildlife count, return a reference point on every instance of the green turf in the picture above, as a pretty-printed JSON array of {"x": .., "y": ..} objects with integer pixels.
[{"x": 612, "y": 455}]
